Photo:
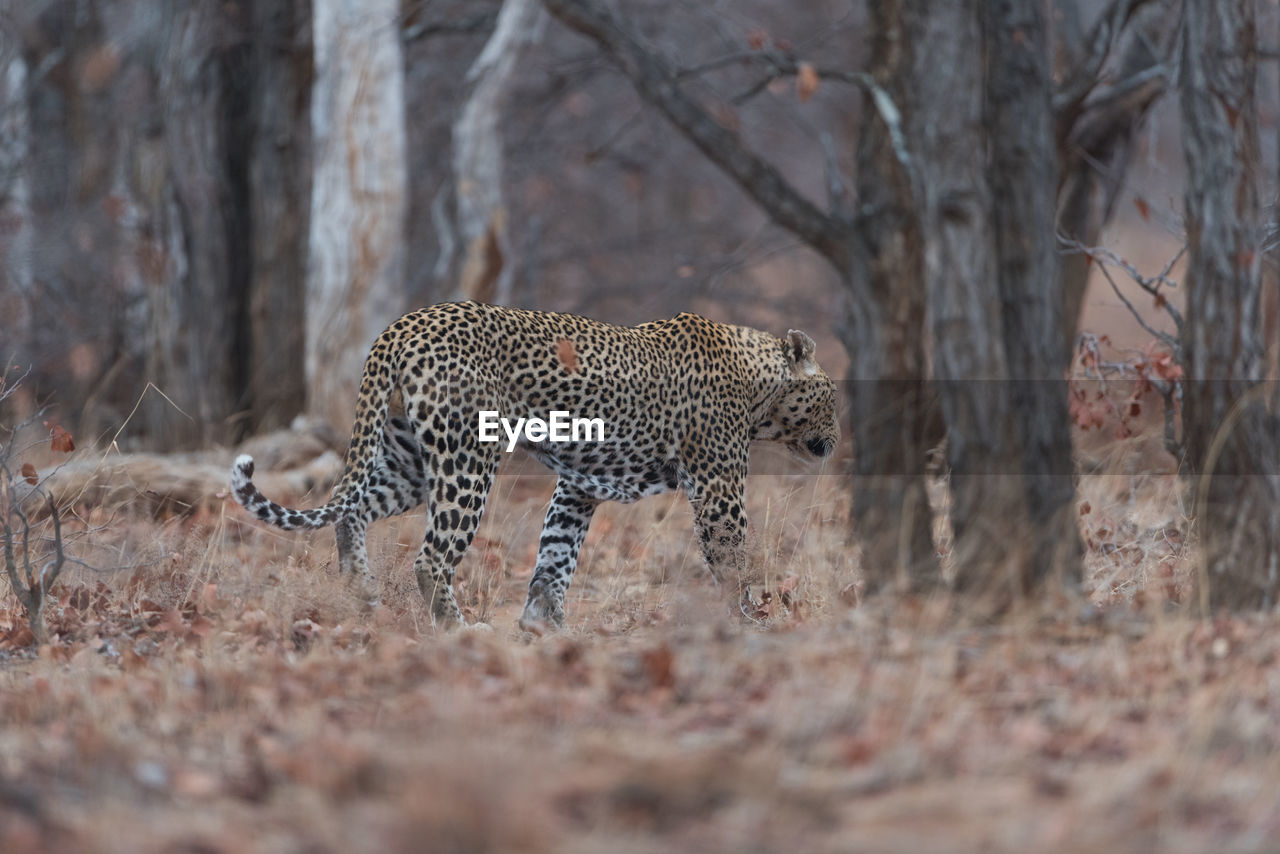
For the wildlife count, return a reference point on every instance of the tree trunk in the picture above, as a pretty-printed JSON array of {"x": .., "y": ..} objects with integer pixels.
[
  {"x": 1023, "y": 175},
  {"x": 199, "y": 342},
  {"x": 72, "y": 305},
  {"x": 947, "y": 121},
  {"x": 280, "y": 185},
  {"x": 16, "y": 234},
  {"x": 358, "y": 199},
  {"x": 894, "y": 427},
  {"x": 1232, "y": 436},
  {"x": 482, "y": 268}
]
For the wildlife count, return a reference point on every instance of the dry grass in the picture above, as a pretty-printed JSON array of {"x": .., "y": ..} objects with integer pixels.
[{"x": 228, "y": 695}]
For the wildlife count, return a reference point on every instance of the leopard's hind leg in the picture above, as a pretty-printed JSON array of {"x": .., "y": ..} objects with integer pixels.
[
  {"x": 461, "y": 470},
  {"x": 399, "y": 482},
  {"x": 563, "y": 530}
]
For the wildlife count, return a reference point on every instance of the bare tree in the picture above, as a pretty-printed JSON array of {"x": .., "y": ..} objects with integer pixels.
[
  {"x": 197, "y": 335},
  {"x": 962, "y": 275},
  {"x": 159, "y": 202},
  {"x": 279, "y": 187},
  {"x": 1023, "y": 176},
  {"x": 1111, "y": 76},
  {"x": 358, "y": 200},
  {"x": 69, "y": 153},
  {"x": 936, "y": 132},
  {"x": 1232, "y": 432},
  {"x": 478, "y": 263},
  {"x": 895, "y": 422}
]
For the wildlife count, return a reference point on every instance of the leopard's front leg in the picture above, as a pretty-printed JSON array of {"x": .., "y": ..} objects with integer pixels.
[{"x": 720, "y": 518}]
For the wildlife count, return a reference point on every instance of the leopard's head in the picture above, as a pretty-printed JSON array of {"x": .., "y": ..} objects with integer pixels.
[{"x": 803, "y": 412}]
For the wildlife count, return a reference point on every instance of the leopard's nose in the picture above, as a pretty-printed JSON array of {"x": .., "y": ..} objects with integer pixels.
[{"x": 820, "y": 447}]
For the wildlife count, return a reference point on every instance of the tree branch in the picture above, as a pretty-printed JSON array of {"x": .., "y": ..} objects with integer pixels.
[
  {"x": 482, "y": 22},
  {"x": 784, "y": 64},
  {"x": 658, "y": 84},
  {"x": 1151, "y": 284},
  {"x": 1101, "y": 41}
]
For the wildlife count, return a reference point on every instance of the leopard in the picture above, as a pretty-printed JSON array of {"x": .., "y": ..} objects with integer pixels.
[{"x": 682, "y": 399}]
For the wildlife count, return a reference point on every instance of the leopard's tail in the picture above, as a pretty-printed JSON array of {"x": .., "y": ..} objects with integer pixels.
[
  {"x": 380, "y": 374},
  {"x": 264, "y": 508}
]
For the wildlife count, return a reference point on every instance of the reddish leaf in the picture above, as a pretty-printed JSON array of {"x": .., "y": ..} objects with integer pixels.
[
  {"x": 1161, "y": 302},
  {"x": 1144, "y": 210},
  {"x": 567, "y": 355},
  {"x": 806, "y": 82},
  {"x": 1135, "y": 409},
  {"x": 29, "y": 474},
  {"x": 1085, "y": 508},
  {"x": 757, "y": 38},
  {"x": 658, "y": 666},
  {"x": 59, "y": 439}
]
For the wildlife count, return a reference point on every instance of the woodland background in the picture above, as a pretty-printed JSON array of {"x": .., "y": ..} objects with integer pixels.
[{"x": 1030, "y": 605}]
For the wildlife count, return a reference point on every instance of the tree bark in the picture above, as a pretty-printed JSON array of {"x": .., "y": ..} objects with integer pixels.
[
  {"x": 358, "y": 199},
  {"x": 894, "y": 423},
  {"x": 72, "y": 308},
  {"x": 199, "y": 341},
  {"x": 1023, "y": 175},
  {"x": 16, "y": 235},
  {"x": 1232, "y": 435},
  {"x": 483, "y": 268},
  {"x": 279, "y": 183},
  {"x": 961, "y": 282}
]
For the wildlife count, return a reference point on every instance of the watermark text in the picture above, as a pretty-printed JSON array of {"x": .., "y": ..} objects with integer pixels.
[{"x": 559, "y": 427}]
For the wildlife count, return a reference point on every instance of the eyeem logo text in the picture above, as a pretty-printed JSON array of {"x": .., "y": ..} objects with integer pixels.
[{"x": 559, "y": 428}]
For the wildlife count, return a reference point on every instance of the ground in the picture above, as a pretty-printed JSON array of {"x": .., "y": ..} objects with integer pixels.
[{"x": 227, "y": 694}]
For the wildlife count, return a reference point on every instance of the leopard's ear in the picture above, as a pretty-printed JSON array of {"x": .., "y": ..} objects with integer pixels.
[{"x": 800, "y": 347}]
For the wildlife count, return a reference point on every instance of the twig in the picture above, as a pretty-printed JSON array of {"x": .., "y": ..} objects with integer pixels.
[
  {"x": 657, "y": 83},
  {"x": 1170, "y": 391},
  {"x": 1152, "y": 284},
  {"x": 1102, "y": 40}
]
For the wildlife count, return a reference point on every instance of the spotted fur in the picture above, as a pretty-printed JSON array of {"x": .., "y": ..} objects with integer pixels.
[{"x": 681, "y": 400}]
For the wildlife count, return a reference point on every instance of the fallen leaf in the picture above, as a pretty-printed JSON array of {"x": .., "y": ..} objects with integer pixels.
[
  {"x": 59, "y": 439},
  {"x": 658, "y": 666},
  {"x": 29, "y": 474},
  {"x": 806, "y": 82}
]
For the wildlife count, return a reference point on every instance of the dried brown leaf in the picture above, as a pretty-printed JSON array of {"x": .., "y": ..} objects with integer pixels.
[
  {"x": 59, "y": 439},
  {"x": 806, "y": 82}
]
